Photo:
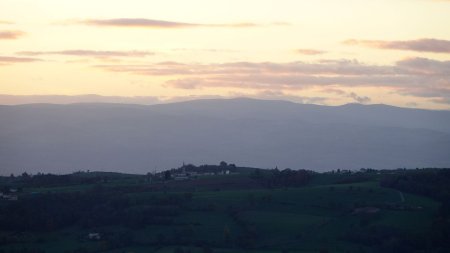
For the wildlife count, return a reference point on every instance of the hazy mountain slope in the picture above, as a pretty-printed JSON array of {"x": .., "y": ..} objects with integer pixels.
[
  {"x": 373, "y": 115},
  {"x": 129, "y": 138}
]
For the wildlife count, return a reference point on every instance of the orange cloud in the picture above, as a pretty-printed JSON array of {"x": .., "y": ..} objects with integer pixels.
[
  {"x": 420, "y": 45},
  {"x": 10, "y": 35}
]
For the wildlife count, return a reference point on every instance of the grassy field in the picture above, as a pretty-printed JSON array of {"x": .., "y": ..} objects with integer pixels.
[{"x": 317, "y": 217}]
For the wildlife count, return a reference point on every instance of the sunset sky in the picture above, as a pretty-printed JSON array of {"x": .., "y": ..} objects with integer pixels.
[{"x": 323, "y": 52}]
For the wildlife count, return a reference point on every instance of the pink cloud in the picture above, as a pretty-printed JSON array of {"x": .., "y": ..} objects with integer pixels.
[
  {"x": 334, "y": 91},
  {"x": 420, "y": 45},
  {"x": 160, "y": 24},
  {"x": 310, "y": 51},
  {"x": 419, "y": 77},
  {"x": 89, "y": 53},
  {"x": 9, "y": 59},
  {"x": 137, "y": 22}
]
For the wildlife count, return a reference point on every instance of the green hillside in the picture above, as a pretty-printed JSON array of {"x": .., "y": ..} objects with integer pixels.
[{"x": 246, "y": 210}]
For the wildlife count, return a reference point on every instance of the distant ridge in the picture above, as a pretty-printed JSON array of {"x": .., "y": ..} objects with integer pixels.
[{"x": 258, "y": 133}]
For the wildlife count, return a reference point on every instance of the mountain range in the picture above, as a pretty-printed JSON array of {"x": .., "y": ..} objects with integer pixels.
[{"x": 260, "y": 133}]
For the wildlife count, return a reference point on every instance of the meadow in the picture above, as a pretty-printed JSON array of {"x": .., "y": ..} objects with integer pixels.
[{"x": 331, "y": 212}]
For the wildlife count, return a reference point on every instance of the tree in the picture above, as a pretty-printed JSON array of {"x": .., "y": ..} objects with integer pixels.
[
  {"x": 5, "y": 189},
  {"x": 167, "y": 175},
  {"x": 207, "y": 250},
  {"x": 257, "y": 174},
  {"x": 226, "y": 234},
  {"x": 178, "y": 250}
]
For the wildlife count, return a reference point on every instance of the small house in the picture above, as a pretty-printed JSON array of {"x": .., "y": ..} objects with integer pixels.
[{"x": 94, "y": 236}]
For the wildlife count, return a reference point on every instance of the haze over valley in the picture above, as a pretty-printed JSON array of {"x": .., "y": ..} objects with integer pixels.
[{"x": 259, "y": 133}]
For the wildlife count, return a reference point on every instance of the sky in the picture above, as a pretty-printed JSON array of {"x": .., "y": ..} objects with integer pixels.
[{"x": 138, "y": 51}]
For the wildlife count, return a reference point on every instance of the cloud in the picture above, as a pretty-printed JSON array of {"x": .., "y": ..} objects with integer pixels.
[
  {"x": 208, "y": 50},
  {"x": 94, "y": 98},
  {"x": 294, "y": 82},
  {"x": 160, "y": 24},
  {"x": 175, "y": 99},
  {"x": 9, "y": 59},
  {"x": 310, "y": 51},
  {"x": 149, "y": 100},
  {"x": 11, "y": 35},
  {"x": 418, "y": 77},
  {"x": 352, "y": 95},
  {"x": 334, "y": 91},
  {"x": 281, "y": 95},
  {"x": 426, "y": 66},
  {"x": 89, "y": 53},
  {"x": 412, "y": 104},
  {"x": 330, "y": 68},
  {"x": 420, "y": 45},
  {"x": 442, "y": 100},
  {"x": 137, "y": 22},
  {"x": 359, "y": 99},
  {"x": 89, "y": 98}
]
